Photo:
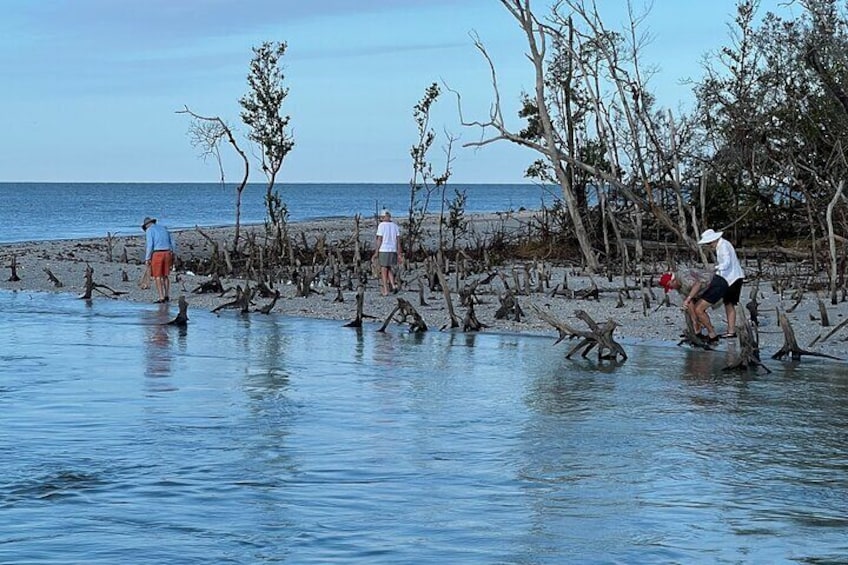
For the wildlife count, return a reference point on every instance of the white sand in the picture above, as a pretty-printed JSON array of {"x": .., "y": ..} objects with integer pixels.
[{"x": 67, "y": 260}]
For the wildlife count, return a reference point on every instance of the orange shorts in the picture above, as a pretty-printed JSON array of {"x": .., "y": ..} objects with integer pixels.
[{"x": 161, "y": 263}]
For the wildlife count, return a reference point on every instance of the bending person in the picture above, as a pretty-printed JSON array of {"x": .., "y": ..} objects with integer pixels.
[
  {"x": 702, "y": 289},
  {"x": 159, "y": 256}
]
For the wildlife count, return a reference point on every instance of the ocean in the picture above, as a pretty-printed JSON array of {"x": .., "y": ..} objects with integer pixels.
[
  {"x": 45, "y": 211},
  {"x": 277, "y": 439}
]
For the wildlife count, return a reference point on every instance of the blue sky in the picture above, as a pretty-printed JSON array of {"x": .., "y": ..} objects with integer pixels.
[{"x": 91, "y": 87}]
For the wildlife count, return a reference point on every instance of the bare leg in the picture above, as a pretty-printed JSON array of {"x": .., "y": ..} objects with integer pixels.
[
  {"x": 384, "y": 279},
  {"x": 166, "y": 286},
  {"x": 730, "y": 310},
  {"x": 392, "y": 284},
  {"x": 704, "y": 317},
  {"x": 160, "y": 287},
  {"x": 696, "y": 324}
]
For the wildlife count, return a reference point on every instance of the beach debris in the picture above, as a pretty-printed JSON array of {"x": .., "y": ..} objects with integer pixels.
[
  {"x": 52, "y": 278},
  {"x": 405, "y": 310},
  {"x": 790, "y": 345},
  {"x": 597, "y": 336},
  {"x": 692, "y": 337},
  {"x": 210, "y": 286}
]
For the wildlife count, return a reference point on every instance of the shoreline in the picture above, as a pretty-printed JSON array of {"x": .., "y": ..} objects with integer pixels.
[{"x": 67, "y": 260}]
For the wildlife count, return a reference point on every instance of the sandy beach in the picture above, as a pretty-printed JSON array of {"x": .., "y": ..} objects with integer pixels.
[{"x": 657, "y": 324}]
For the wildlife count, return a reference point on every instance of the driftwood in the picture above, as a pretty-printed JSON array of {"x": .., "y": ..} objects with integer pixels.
[
  {"x": 406, "y": 310},
  {"x": 182, "y": 317},
  {"x": 52, "y": 278},
  {"x": 91, "y": 286},
  {"x": 790, "y": 345},
  {"x": 597, "y": 336}
]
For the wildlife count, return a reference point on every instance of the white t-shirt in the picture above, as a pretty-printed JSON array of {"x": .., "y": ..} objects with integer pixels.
[
  {"x": 390, "y": 233},
  {"x": 727, "y": 263}
]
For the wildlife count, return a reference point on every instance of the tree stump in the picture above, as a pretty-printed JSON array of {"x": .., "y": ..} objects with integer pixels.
[
  {"x": 52, "y": 278},
  {"x": 13, "y": 265},
  {"x": 182, "y": 317},
  {"x": 749, "y": 346},
  {"x": 406, "y": 310},
  {"x": 509, "y": 308},
  {"x": 691, "y": 337},
  {"x": 91, "y": 286},
  {"x": 790, "y": 344},
  {"x": 360, "y": 305},
  {"x": 471, "y": 323}
]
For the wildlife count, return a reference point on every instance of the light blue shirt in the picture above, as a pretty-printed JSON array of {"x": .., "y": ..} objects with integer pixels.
[{"x": 158, "y": 239}]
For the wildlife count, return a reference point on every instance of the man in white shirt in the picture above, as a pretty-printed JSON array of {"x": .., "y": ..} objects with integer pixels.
[
  {"x": 388, "y": 251},
  {"x": 729, "y": 268}
]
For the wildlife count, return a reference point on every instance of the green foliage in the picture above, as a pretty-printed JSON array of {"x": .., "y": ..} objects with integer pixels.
[{"x": 262, "y": 106}]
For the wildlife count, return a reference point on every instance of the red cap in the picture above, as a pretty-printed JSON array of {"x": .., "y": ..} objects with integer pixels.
[{"x": 665, "y": 281}]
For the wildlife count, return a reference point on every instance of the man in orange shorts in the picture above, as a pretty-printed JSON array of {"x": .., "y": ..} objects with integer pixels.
[{"x": 159, "y": 256}]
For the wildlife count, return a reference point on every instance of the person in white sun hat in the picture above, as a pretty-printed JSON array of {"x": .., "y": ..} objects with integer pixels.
[{"x": 727, "y": 267}]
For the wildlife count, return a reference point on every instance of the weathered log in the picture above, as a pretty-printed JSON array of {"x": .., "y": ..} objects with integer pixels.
[
  {"x": 242, "y": 300},
  {"x": 790, "y": 345},
  {"x": 825, "y": 321},
  {"x": 692, "y": 337}
]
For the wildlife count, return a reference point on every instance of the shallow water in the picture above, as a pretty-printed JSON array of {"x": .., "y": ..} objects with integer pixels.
[{"x": 273, "y": 439}]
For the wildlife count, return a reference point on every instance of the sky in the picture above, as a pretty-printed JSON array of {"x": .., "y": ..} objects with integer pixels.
[{"x": 91, "y": 88}]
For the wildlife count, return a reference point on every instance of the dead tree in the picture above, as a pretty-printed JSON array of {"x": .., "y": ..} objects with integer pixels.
[
  {"x": 52, "y": 278},
  {"x": 182, "y": 317},
  {"x": 405, "y": 310},
  {"x": 212, "y": 285},
  {"x": 790, "y": 345}
]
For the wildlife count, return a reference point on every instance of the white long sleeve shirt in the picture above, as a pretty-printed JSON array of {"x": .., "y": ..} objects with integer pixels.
[{"x": 727, "y": 263}]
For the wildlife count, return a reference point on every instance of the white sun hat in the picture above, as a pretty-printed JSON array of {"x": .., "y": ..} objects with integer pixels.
[{"x": 709, "y": 236}]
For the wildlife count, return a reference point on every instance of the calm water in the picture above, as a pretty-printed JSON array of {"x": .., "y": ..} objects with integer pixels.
[
  {"x": 42, "y": 211},
  {"x": 271, "y": 439}
]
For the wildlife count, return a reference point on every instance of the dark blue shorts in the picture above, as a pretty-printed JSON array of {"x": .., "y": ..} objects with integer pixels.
[{"x": 715, "y": 291}]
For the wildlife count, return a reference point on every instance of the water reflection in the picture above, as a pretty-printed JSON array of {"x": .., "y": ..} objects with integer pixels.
[{"x": 158, "y": 349}]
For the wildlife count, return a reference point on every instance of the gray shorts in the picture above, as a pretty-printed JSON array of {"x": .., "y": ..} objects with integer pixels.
[{"x": 388, "y": 258}]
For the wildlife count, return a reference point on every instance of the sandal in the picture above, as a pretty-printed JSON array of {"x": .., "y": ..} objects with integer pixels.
[
  {"x": 711, "y": 340},
  {"x": 728, "y": 336}
]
